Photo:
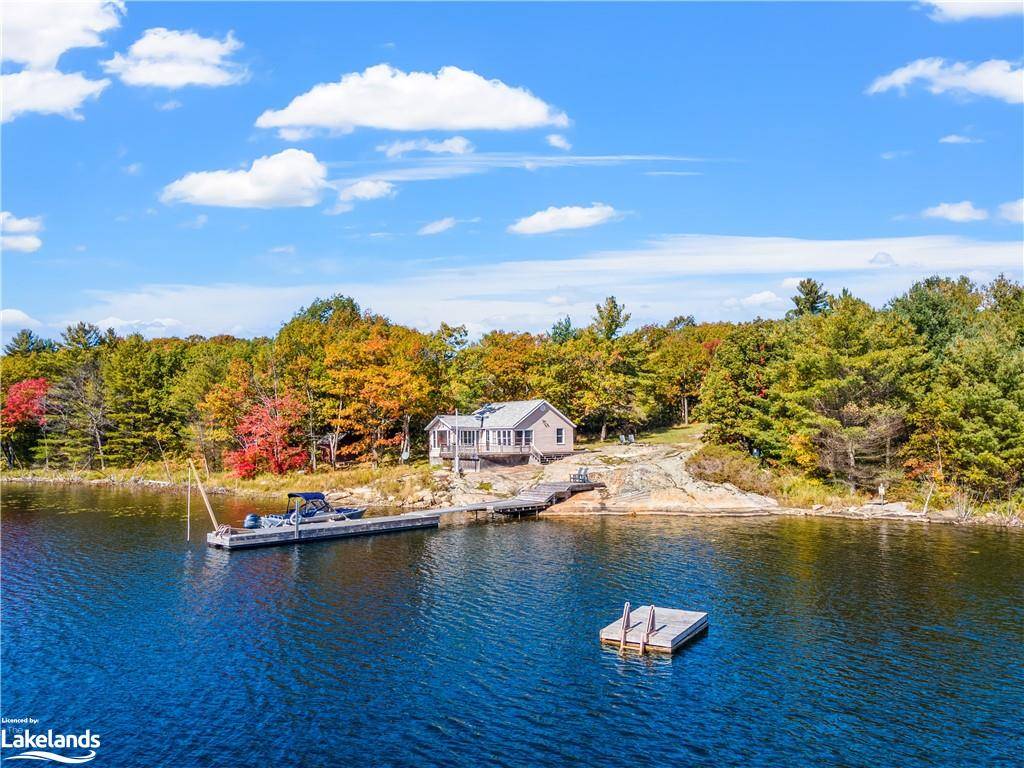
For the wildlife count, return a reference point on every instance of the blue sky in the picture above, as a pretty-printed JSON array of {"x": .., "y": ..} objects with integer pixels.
[{"x": 706, "y": 157}]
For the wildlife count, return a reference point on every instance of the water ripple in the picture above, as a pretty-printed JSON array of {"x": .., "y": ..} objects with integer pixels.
[{"x": 831, "y": 642}]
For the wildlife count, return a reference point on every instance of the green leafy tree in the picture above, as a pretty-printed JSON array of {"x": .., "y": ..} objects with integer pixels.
[
  {"x": 811, "y": 298},
  {"x": 610, "y": 319}
]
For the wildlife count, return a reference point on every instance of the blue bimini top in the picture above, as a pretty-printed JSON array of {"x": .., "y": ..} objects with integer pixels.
[{"x": 308, "y": 496}]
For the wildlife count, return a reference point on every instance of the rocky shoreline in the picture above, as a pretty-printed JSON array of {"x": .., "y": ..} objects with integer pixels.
[{"x": 640, "y": 481}]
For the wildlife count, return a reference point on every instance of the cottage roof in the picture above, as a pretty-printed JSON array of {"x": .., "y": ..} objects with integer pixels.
[{"x": 501, "y": 415}]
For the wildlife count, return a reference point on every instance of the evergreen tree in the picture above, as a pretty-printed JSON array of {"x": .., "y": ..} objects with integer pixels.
[{"x": 811, "y": 299}]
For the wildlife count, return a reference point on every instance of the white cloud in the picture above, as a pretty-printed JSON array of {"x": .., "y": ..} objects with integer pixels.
[
  {"x": 958, "y": 212},
  {"x": 710, "y": 269},
  {"x": 882, "y": 259},
  {"x": 20, "y": 234},
  {"x": 759, "y": 299},
  {"x": 132, "y": 169},
  {"x": 37, "y": 33},
  {"x": 958, "y": 10},
  {"x": 558, "y": 141},
  {"x": 168, "y": 58},
  {"x": 995, "y": 78},
  {"x": 198, "y": 222},
  {"x": 46, "y": 92},
  {"x": 437, "y": 227},
  {"x": 290, "y": 178},
  {"x": 158, "y": 326},
  {"x": 894, "y": 154},
  {"x": 364, "y": 189},
  {"x": 284, "y": 250},
  {"x": 456, "y": 145},
  {"x": 791, "y": 282},
  {"x": 1012, "y": 211},
  {"x": 570, "y": 217},
  {"x": 389, "y": 99},
  {"x": 14, "y": 318},
  {"x": 167, "y": 106},
  {"x": 956, "y": 138}
]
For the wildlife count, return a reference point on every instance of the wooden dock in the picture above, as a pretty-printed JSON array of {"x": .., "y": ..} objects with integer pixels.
[
  {"x": 228, "y": 537},
  {"x": 540, "y": 497},
  {"x": 660, "y": 630}
]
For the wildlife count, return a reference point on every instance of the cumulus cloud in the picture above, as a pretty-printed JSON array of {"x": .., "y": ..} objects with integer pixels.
[
  {"x": 364, "y": 189},
  {"x": 387, "y": 98},
  {"x": 168, "y": 58},
  {"x": 46, "y": 92},
  {"x": 958, "y": 212},
  {"x": 995, "y": 78},
  {"x": 20, "y": 234},
  {"x": 558, "y": 141},
  {"x": 791, "y": 282},
  {"x": 291, "y": 178},
  {"x": 167, "y": 106},
  {"x": 37, "y": 33},
  {"x": 570, "y": 217},
  {"x": 959, "y": 10},
  {"x": 11, "y": 318},
  {"x": 956, "y": 138},
  {"x": 456, "y": 145},
  {"x": 437, "y": 227},
  {"x": 1012, "y": 211},
  {"x": 759, "y": 299}
]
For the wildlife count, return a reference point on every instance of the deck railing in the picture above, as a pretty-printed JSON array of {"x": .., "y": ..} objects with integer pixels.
[{"x": 473, "y": 451}]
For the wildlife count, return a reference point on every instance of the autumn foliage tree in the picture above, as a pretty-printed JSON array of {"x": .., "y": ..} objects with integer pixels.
[
  {"x": 23, "y": 413},
  {"x": 269, "y": 434}
]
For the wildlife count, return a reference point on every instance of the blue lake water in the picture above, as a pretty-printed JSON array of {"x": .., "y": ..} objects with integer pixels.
[{"x": 831, "y": 642}]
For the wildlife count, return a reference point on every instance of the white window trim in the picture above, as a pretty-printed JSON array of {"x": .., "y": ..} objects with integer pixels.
[{"x": 559, "y": 435}]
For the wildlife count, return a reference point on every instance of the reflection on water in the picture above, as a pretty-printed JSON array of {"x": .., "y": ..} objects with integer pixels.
[{"x": 831, "y": 642}]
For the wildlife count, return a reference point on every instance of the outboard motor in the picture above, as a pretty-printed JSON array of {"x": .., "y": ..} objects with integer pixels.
[{"x": 251, "y": 521}]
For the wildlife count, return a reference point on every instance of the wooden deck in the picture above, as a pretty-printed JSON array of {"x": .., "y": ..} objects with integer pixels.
[
  {"x": 539, "y": 497},
  {"x": 672, "y": 628},
  {"x": 244, "y": 538}
]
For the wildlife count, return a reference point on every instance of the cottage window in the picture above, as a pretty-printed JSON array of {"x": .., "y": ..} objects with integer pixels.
[
  {"x": 503, "y": 437},
  {"x": 469, "y": 437},
  {"x": 524, "y": 437},
  {"x": 560, "y": 436}
]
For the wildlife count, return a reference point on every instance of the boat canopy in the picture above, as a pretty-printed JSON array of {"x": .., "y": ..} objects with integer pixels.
[{"x": 308, "y": 496}]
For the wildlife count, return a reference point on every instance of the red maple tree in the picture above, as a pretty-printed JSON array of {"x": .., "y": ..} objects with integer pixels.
[
  {"x": 268, "y": 433},
  {"x": 24, "y": 404}
]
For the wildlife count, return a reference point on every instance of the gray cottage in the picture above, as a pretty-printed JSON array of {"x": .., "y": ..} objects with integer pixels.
[{"x": 502, "y": 434}]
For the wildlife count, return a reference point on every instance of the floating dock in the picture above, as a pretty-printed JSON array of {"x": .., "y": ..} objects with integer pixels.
[
  {"x": 228, "y": 537},
  {"x": 660, "y": 630}
]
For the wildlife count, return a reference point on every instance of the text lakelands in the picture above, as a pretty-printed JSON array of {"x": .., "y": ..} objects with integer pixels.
[{"x": 49, "y": 740}]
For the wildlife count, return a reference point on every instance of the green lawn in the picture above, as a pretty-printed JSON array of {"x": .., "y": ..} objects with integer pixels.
[{"x": 683, "y": 436}]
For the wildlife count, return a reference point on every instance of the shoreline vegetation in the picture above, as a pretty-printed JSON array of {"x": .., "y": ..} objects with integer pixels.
[
  {"x": 837, "y": 404},
  {"x": 666, "y": 473}
]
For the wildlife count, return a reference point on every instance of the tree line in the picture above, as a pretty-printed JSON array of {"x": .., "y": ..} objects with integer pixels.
[{"x": 929, "y": 387}]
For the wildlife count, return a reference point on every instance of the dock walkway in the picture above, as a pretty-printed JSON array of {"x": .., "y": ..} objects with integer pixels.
[
  {"x": 529, "y": 501},
  {"x": 227, "y": 537}
]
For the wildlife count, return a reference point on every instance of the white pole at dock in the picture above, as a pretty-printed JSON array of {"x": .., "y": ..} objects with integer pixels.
[
  {"x": 188, "y": 508},
  {"x": 456, "y": 441}
]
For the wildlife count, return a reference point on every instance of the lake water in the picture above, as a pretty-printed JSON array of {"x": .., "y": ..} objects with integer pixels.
[{"x": 831, "y": 643}]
